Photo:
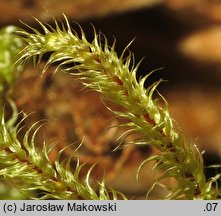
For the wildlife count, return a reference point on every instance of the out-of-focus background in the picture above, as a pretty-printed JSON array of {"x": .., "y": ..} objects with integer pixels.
[{"x": 183, "y": 37}]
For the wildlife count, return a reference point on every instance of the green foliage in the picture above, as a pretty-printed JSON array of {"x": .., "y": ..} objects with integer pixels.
[
  {"x": 98, "y": 67},
  {"x": 10, "y": 45},
  {"x": 29, "y": 169}
]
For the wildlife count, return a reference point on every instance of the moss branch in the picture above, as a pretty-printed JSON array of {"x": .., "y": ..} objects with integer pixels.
[
  {"x": 98, "y": 67},
  {"x": 29, "y": 169}
]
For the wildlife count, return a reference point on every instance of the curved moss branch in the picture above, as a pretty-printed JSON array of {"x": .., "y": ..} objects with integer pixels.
[
  {"x": 29, "y": 169},
  {"x": 98, "y": 66}
]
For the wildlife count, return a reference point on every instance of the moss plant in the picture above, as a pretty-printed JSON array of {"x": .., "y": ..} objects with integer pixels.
[
  {"x": 25, "y": 167},
  {"x": 29, "y": 169},
  {"x": 98, "y": 67}
]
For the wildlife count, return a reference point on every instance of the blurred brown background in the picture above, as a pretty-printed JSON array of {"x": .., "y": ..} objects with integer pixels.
[{"x": 183, "y": 37}]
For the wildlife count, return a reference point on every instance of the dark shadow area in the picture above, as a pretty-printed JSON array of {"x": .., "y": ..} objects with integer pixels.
[{"x": 156, "y": 31}]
